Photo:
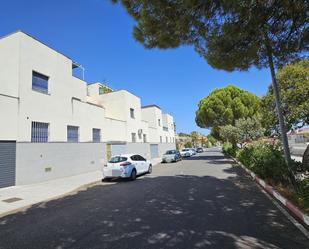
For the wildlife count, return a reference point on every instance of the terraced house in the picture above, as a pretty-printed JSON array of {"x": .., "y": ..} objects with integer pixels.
[{"x": 54, "y": 124}]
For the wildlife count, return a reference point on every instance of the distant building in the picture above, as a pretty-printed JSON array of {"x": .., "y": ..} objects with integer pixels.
[
  {"x": 299, "y": 136},
  {"x": 298, "y": 140}
]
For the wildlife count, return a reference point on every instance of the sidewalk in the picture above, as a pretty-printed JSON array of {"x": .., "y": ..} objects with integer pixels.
[{"x": 17, "y": 197}]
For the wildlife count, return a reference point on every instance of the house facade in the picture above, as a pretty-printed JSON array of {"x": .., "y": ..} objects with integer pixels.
[{"x": 54, "y": 124}]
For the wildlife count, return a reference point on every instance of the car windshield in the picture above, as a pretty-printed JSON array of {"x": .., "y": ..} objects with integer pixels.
[
  {"x": 117, "y": 159},
  {"x": 170, "y": 152},
  {"x": 185, "y": 150}
]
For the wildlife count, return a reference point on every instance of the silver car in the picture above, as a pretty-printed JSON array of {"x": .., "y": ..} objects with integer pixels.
[{"x": 171, "y": 156}]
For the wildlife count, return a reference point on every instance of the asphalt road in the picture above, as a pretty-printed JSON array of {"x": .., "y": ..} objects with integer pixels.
[{"x": 201, "y": 202}]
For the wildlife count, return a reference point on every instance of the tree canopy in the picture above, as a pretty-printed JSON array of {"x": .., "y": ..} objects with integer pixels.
[
  {"x": 194, "y": 137},
  {"x": 224, "y": 106},
  {"x": 228, "y": 34},
  {"x": 293, "y": 82},
  {"x": 245, "y": 130}
]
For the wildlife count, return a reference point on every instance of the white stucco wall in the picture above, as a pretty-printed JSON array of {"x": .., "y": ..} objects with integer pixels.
[
  {"x": 38, "y": 162},
  {"x": 9, "y": 65},
  {"x": 114, "y": 130},
  {"x": 152, "y": 114},
  {"x": 59, "y": 107},
  {"x": 67, "y": 103},
  {"x": 168, "y": 122},
  {"x": 117, "y": 105},
  {"x": 8, "y": 114}
]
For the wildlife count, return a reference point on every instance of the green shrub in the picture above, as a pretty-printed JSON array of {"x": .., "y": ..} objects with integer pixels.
[
  {"x": 303, "y": 195},
  {"x": 228, "y": 149},
  {"x": 265, "y": 160}
]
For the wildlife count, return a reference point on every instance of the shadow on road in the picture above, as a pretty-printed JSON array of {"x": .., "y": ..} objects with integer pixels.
[
  {"x": 182, "y": 211},
  {"x": 212, "y": 159}
]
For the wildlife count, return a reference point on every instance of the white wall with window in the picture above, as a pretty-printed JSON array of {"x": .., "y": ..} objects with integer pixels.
[
  {"x": 46, "y": 90},
  {"x": 49, "y": 111},
  {"x": 153, "y": 115}
]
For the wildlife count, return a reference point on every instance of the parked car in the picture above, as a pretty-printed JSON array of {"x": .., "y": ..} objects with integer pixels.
[
  {"x": 193, "y": 151},
  {"x": 126, "y": 166},
  {"x": 171, "y": 156},
  {"x": 186, "y": 152},
  {"x": 199, "y": 150}
]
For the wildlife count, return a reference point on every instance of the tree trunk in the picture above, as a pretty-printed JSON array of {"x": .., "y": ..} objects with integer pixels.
[
  {"x": 306, "y": 158},
  {"x": 284, "y": 136}
]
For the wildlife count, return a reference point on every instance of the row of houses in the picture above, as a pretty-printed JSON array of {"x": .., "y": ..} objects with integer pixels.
[{"x": 54, "y": 124}]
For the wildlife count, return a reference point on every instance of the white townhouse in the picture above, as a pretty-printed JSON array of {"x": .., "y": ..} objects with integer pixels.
[{"x": 54, "y": 124}]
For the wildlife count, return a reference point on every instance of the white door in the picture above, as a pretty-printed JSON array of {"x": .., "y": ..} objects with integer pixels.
[{"x": 143, "y": 163}]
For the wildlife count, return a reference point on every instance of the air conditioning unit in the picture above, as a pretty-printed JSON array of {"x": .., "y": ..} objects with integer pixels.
[{"x": 140, "y": 131}]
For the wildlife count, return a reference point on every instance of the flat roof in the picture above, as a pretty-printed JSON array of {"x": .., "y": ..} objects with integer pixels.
[{"x": 150, "y": 106}]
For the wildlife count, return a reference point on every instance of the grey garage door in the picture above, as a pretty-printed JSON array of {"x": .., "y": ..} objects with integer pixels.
[
  {"x": 154, "y": 151},
  {"x": 7, "y": 163},
  {"x": 118, "y": 149}
]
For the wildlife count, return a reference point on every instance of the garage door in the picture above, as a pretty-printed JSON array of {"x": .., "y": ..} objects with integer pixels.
[
  {"x": 154, "y": 151},
  {"x": 7, "y": 163},
  {"x": 118, "y": 149}
]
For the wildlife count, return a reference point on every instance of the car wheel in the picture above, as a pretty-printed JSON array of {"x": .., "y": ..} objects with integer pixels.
[
  {"x": 150, "y": 169},
  {"x": 133, "y": 175}
]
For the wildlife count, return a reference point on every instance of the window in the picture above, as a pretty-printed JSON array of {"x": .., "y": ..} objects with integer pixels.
[
  {"x": 101, "y": 90},
  {"x": 144, "y": 138},
  {"x": 166, "y": 139},
  {"x": 160, "y": 139},
  {"x": 159, "y": 122},
  {"x": 137, "y": 158},
  {"x": 140, "y": 158},
  {"x": 133, "y": 137},
  {"x": 96, "y": 135},
  {"x": 39, "y": 132},
  {"x": 39, "y": 82},
  {"x": 72, "y": 134},
  {"x": 118, "y": 159},
  {"x": 132, "y": 113}
]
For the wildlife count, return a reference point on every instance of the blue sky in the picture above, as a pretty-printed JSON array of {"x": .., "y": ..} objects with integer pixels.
[{"x": 98, "y": 35}]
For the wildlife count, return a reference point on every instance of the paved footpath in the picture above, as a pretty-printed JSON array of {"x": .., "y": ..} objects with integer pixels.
[{"x": 201, "y": 202}]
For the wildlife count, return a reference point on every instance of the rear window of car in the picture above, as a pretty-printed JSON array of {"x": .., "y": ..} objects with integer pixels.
[
  {"x": 169, "y": 152},
  {"x": 117, "y": 159}
]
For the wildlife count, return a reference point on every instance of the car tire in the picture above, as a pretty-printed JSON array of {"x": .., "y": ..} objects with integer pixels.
[
  {"x": 149, "y": 169},
  {"x": 133, "y": 175}
]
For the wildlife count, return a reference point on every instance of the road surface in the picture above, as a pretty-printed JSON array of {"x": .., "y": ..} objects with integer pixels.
[{"x": 201, "y": 202}]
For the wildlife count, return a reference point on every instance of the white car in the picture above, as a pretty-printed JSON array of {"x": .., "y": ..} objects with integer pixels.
[
  {"x": 186, "y": 152},
  {"x": 126, "y": 166}
]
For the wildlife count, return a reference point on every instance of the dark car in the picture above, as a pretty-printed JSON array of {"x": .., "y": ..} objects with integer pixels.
[
  {"x": 171, "y": 156},
  {"x": 199, "y": 150}
]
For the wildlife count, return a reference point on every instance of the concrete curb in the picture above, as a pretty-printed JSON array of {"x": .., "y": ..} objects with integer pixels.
[{"x": 275, "y": 194}]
